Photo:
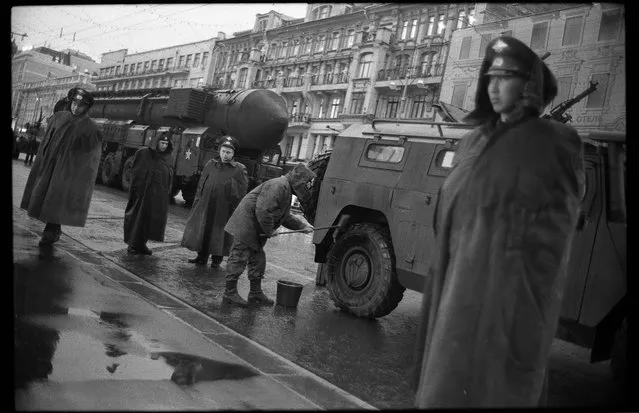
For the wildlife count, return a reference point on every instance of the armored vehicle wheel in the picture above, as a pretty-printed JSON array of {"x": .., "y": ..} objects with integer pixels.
[
  {"x": 109, "y": 171},
  {"x": 126, "y": 173},
  {"x": 619, "y": 357},
  {"x": 318, "y": 166},
  {"x": 361, "y": 272}
]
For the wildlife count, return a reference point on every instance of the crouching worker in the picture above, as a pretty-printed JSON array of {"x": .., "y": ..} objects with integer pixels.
[
  {"x": 221, "y": 187},
  {"x": 256, "y": 218},
  {"x": 147, "y": 210},
  {"x": 61, "y": 182}
]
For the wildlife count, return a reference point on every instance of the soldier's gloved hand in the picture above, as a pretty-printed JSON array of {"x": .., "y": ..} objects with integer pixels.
[{"x": 308, "y": 229}]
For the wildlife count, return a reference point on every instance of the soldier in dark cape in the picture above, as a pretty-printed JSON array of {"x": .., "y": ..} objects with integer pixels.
[
  {"x": 147, "y": 209},
  {"x": 221, "y": 187},
  {"x": 62, "y": 179},
  {"x": 504, "y": 224}
]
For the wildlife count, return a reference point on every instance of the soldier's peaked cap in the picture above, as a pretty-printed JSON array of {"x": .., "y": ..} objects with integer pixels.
[
  {"x": 80, "y": 95},
  {"x": 230, "y": 142},
  {"x": 508, "y": 55}
]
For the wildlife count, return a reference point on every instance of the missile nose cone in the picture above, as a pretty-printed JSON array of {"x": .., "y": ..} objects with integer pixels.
[{"x": 265, "y": 115}]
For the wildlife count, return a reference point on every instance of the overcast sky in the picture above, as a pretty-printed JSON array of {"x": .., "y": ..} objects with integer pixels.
[{"x": 136, "y": 27}]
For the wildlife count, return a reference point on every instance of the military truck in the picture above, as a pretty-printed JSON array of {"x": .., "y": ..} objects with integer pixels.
[
  {"x": 195, "y": 119},
  {"x": 378, "y": 188}
]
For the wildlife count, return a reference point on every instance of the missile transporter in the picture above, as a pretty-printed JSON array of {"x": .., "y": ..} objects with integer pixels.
[
  {"x": 378, "y": 186},
  {"x": 195, "y": 119}
]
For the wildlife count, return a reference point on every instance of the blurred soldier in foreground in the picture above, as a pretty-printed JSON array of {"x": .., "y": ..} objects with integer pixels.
[
  {"x": 221, "y": 187},
  {"x": 148, "y": 207},
  {"x": 256, "y": 218},
  {"x": 504, "y": 224},
  {"x": 61, "y": 182}
]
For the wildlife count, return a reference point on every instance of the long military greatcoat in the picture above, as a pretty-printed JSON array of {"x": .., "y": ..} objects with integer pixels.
[
  {"x": 220, "y": 189},
  {"x": 505, "y": 219},
  {"x": 147, "y": 210},
  {"x": 264, "y": 209},
  {"x": 61, "y": 182}
]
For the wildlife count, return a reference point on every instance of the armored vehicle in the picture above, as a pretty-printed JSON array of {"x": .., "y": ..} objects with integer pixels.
[
  {"x": 195, "y": 119},
  {"x": 379, "y": 186}
]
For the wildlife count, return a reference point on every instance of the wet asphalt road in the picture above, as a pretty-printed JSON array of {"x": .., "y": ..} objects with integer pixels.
[{"x": 367, "y": 358}]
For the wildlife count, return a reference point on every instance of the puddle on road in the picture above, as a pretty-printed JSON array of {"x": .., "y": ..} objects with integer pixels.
[{"x": 79, "y": 344}]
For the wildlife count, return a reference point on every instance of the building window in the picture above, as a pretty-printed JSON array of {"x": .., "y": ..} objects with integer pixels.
[
  {"x": 597, "y": 98},
  {"x": 125, "y": 70},
  {"x": 431, "y": 26},
  {"x": 459, "y": 94},
  {"x": 464, "y": 53},
  {"x": 409, "y": 29},
  {"x": 392, "y": 106},
  {"x": 161, "y": 64},
  {"x": 242, "y": 81},
  {"x": 169, "y": 62},
  {"x": 572, "y": 31},
  {"x": 334, "y": 42},
  {"x": 461, "y": 21},
  {"x": 357, "y": 103},
  {"x": 321, "y": 110},
  {"x": 180, "y": 61},
  {"x": 441, "y": 25},
  {"x": 364, "y": 65},
  {"x": 296, "y": 48},
  {"x": 485, "y": 39},
  {"x": 154, "y": 64},
  {"x": 420, "y": 107},
  {"x": 117, "y": 70},
  {"x": 146, "y": 66},
  {"x": 261, "y": 25},
  {"x": 335, "y": 106},
  {"x": 351, "y": 38},
  {"x": 205, "y": 58},
  {"x": 196, "y": 60},
  {"x": 539, "y": 34},
  {"x": 165, "y": 81},
  {"x": 187, "y": 63},
  {"x": 611, "y": 22},
  {"x": 157, "y": 82},
  {"x": 320, "y": 44},
  {"x": 325, "y": 12},
  {"x": 283, "y": 49},
  {"x": 563, "y": 89}
]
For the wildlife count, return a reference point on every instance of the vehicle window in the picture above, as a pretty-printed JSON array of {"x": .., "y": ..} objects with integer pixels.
[
  {"x": 445, "y": 159},
  {"x": 385, "y": 153}
]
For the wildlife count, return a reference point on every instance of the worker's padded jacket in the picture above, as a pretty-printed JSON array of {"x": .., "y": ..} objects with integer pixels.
[
  {"x": 62, "y": 179},
  {"x": 267, "y": 207}
]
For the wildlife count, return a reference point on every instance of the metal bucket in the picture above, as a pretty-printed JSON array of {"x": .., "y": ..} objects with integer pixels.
[{"x": 288, "y": 293}]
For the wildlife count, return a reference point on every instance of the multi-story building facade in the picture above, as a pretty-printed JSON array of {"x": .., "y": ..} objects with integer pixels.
[
  {"x": 586, "y": 43},
  {"x": 39, "y": 75},
  {"x": 343, "y": 62},
  {"x": 185, "y": 65}
]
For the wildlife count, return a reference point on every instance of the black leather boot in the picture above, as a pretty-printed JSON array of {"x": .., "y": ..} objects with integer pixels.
[
  {"x": 256, "y": 296},
  {"x": 231, "y": 295}
]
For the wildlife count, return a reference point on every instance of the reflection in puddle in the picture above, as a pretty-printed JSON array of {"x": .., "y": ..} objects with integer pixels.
[{"x": 97, "y": 364}]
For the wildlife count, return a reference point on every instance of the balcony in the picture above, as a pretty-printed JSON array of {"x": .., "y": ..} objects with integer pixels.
[
  {"x": 329, "y": 79},
  {"x": 414, "y": 72},
  {"x": 264, "y": 84},
  {"x": 299, "y": 119},
  {"x": 293, "y": 82}
]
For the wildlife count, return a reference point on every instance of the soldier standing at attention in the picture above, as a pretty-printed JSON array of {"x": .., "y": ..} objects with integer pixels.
[
  {"x": 505, "y": 220},
  {"x": 61, "y": 181},
  {"x": 221, "y": 187},
  {"x": 255, "y": 219},
  {"x": 148, "y": 206}
]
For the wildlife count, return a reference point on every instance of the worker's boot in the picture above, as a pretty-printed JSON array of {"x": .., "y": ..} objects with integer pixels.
[
  {"x": 256, "y": 296},
  {"x": 201, "y": 259},
  {"x": 231, "y": 295}
]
